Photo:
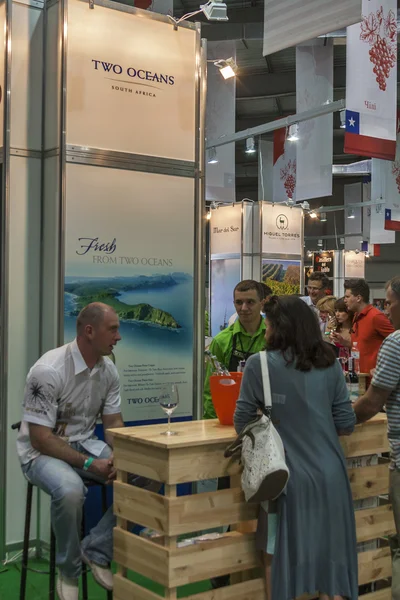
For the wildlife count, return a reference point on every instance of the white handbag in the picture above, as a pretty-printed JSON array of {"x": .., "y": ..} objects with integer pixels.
[{"x": 265, "y": 472}]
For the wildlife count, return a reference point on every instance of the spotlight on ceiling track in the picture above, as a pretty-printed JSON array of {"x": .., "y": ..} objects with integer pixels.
[
  {"x": 293, "y": 133},
  {"x": 227, "y": 67},
  {"x": 212, "y": 156},
  {"x": 215, "y": 10},
  {"x": 342, "y": 115},
  {"x": 250, "y": 145},
  {"x": 350, "y": 214},
  {"x": 323, "y": 218}
]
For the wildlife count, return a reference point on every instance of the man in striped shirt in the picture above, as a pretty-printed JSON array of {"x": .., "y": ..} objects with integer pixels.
[{"x": 385, "y": 389}]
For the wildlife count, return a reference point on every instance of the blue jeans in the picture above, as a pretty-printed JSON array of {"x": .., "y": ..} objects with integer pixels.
[{"x": 67, "y": 490}]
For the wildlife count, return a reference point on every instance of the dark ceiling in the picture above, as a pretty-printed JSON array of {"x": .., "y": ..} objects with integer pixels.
[{"x": 266, "y": 86}]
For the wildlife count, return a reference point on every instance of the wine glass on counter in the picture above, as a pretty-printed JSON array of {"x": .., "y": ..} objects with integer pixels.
[{"x": 169, "y": 400}]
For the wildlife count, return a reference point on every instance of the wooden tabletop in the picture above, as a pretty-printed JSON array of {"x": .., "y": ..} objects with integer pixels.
[{"x": 192, "y": 433}]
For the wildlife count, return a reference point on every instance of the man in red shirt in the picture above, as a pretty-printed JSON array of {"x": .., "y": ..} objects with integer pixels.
[{"x": 370, "y": 325}]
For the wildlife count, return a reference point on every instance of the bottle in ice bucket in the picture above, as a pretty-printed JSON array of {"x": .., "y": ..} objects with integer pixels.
[{"x": 217, "y": 367}]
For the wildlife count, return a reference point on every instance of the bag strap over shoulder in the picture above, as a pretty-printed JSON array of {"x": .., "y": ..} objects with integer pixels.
[{"x": 265, "y": 379}]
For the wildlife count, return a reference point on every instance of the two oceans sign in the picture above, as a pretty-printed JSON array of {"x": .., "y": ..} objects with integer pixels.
[{"x": 142, "y": 74}]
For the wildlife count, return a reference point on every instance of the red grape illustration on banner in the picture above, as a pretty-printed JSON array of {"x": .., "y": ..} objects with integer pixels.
[
  {"x": 396, "y": 173},
  {"x": 288, "y": 176},
  {"x": 380, "y": 33}
]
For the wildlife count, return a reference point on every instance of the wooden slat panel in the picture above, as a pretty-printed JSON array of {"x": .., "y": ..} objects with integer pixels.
[
  {"x": 369, "y": 481},
  {"x": 141, "y": 555},
  {"x": 194, "y": 464},
  {"x": 372, "y": 523},
  {"x": 385, "y": 594},
  {"x": 174, "y": 567},
  {"x": 366, "y": 440},
  {"x": 141, "y": 506},
  {"x": 233, "y": 553},
  {"x": 143, "y": 460},
  {"x": 211, "y": 463},
  {"x": 175, "y": 516},
  {"x": 124, "y": 589},
  {"x": 210, "y": 509},
  {"x": 374, "y": 565},
  {"x": 248, "y": 590}
]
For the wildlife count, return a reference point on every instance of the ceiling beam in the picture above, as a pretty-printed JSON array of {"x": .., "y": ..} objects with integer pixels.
[
  {"x": 324, "y": 109},
  {"x": 251, "y": 14},
  {"x": 274, "y": 85}
]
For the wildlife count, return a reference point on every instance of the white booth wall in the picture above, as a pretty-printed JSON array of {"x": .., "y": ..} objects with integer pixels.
[{"x": 22, "y": 186}]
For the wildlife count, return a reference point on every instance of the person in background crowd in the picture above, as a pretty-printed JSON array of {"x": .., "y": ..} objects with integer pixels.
[
  {"x": 370, "y": 325},
  {"x": 267, "y": 292},
  {"x": 240, "y": 340},
  {"x": 318, "y": 284},
  {"x": 344, "y": 323},
  {"x": 326, "y": 308},
  {"x": 385, "y": 390},
  {"x": 309, "y": 548},
  {"x": 386, "y": 309},
  {"x": 66, "y": 391}
]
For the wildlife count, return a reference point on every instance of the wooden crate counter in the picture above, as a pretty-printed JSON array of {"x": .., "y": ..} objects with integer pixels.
[{"x": 198, "y": 453}]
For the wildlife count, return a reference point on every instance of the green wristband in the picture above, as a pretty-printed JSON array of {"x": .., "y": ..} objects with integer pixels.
[{"x": 87, "y": 463}]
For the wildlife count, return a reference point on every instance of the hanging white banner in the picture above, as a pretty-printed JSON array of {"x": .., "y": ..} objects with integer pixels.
[
  {"x": 290, "y": 22},
  {"x": 354, "y": 265},
  {"x": 221, "y": 120},
  {"x": 265, "y": 170},
  {"x": 136, "y": 78},
  {"x": 366, "y": 218},
  {"x": 352, "y": 216},
  {"x": 282, "y": 230},
  {"x": 226, "y": 230},
  {"x": 165, "y": 7},
  {"x": 385, "y": 184},
  {"x": 285, "y": 167},
  {"x": 314, "y": 149},
  {"x": 371, "y": 81},
  {"x": 2, "y": 63}
]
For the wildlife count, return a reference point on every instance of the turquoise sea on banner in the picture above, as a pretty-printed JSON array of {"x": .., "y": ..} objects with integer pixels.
[{"x": 176, "y": 300}]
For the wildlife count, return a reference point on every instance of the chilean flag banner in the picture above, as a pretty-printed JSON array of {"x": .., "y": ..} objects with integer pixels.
[
  {"x": 371, "y": 82},
  {"x": 385, "y": 182}
]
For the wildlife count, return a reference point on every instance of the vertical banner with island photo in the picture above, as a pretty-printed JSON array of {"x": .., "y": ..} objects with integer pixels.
[{"x": 130, "y": 244}]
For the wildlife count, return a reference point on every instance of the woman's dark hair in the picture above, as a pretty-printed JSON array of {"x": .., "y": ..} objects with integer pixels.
[
  {"x": 296, "y": 333},
  {"x": 341, "y": 307}
]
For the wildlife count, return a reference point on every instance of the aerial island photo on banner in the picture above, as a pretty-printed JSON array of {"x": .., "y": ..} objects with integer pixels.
[{"x": 148, "y": 280}]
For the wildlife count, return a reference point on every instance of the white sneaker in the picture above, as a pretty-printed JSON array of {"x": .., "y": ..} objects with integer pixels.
[
  {"x": 67, "y": 588},
  {"x": 102, "y": 575}
]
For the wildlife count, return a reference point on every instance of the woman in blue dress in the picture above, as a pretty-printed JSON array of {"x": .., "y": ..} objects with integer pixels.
[{"x": 311, "y": 542}]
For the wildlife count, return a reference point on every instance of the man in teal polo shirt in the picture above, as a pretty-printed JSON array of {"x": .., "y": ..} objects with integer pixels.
[{"x": 240, "y": 340}]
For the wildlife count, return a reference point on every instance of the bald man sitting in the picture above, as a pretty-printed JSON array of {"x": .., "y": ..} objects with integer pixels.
[{"x": 67, "y": 389}]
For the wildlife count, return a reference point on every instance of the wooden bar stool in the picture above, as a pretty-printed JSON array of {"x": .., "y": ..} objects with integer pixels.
[{"x": 25, "y": 551}]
